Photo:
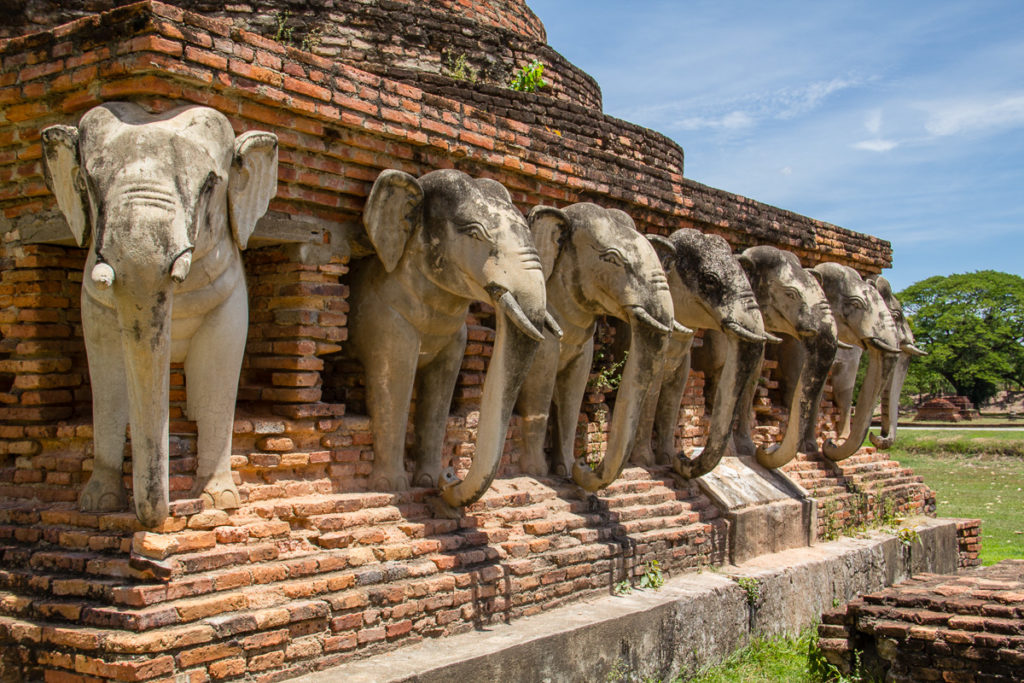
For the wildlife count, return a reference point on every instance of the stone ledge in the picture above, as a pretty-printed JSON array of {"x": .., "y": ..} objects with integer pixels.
[{"x": 693, "y": 621}]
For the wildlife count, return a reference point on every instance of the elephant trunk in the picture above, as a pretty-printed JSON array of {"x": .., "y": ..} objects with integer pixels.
[
  {"x": 514, "y": 349},
  {"x": 891, "y": 404},
  {"x": 646, "y": 349},
  {"x": 818, "y": 354},
  {"x": 880, "y": 368},
  {"x": 743, "y": 358},
  {"x": 146, "y": 338}
]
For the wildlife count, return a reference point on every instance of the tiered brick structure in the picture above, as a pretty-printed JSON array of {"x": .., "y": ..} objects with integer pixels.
[
  {"x": 933, "y": 627},
  {"x": 313, "y": 568}
]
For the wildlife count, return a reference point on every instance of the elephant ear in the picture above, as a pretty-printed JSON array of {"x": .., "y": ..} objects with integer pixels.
[
  {"x": 747, "y": 264},
  {"x": 550, "y": 228},
  {"x": 253, "y": 182},
  {"x": 64, "y": 178},
  {"x": 816, "y": 274},
  {"x": 882, "y": 285},
  {"x": 393, "y": 211},
  {"x": 664, "y": 248}
]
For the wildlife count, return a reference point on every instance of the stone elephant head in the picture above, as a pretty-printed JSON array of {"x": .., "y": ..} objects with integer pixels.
[
  {"x": 596, "y": 264},
  {"x": 862, "y": 321},
  {"x": 165, "y": 202},
  {"x": 709, "y": 290},
  {"x": 794, "y": 306},
  {"x": 894, "y": 387},
  {"x": 443, "y": 241}
]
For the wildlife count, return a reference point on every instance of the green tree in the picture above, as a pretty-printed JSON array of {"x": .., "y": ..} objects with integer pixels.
[{"x": 972, "y": 325}]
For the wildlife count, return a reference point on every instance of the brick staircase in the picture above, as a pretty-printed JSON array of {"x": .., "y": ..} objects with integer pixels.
[{"x": 279, "y": 584}]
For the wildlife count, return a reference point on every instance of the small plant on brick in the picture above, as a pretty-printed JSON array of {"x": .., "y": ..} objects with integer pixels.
[
  {"x": 312, "y": 39},
  {"x": 608, "y": 374},
  {"x": 908, "y": 537},
  {"x": 530, "y": 78},
  {"x": 651, "y": 577},
  {"x": 750, "y": 586},
  {"x": 623, "y": 588},
  {"x": 284, "y": 33},
  {"x": 459, "y": 68},
  {"x": 832, "y": 525}
]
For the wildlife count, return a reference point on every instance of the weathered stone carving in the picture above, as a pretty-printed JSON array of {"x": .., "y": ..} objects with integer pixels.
[
  {"x": 443, "y": 241},
  {"x": 892, "y": 389},
  {"x": 863, "y": 321},
  {"x": 165, "y": 201},
  {"x": 596, "y": 263},
  {"x": 793, "y": 305},
  {"x": 709, "y": 290}
]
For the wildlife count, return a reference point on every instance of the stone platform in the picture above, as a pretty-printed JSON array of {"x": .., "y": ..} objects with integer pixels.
[{"x": 694, "y": 620}]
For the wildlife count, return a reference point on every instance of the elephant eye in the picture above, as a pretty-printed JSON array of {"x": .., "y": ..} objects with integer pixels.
[
  {"x": 857, "y": 303},
  {"x": 475, "y": 230},
  {"x": 792, "y": 292},
  {"x": 613, "y": 257}
]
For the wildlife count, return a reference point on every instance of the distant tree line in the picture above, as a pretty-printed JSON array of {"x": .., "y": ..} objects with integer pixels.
[{"x": 972, "y": 326}]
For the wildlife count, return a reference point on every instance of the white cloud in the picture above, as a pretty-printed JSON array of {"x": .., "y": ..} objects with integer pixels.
[
  {"x": 950, "y": 118},
  {"x": 873, "y": 121},
  {"x": 791, "y": 103},
  {"x": 876, "y": 145},
  {"x": 786, "y": 170},
  {"x": 731, "y": 121}
]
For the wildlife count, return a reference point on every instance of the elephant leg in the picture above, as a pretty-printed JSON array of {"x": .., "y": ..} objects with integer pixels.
[
  {"x": 673, "y": 384},
  {"x": 570, "y": 386},
  {"x": 212, "y": 366},
  {"x": 105, "y": 490},
  {"x": 389, "y": 383},
  {"x": 435, "y": 384},
  {"x": 643, "y": 454},
  {"x": 533, "y": 405}
]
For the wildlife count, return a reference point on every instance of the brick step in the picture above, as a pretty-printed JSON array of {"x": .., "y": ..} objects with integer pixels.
[
  {"x": 642, "y": 526},
  {"x": 674, "y": 535},
  {"x": 653, "y": 496}
]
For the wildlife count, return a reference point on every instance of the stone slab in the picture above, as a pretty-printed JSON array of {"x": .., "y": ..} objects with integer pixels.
[
  {"x": 694, "y": 620},
  {"x": 769, "y": 513}
]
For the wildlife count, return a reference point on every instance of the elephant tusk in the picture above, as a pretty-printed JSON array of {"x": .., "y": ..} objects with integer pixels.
[
  {"x": 102, "y": 275},
  {"x": 681, "y": 328},
  {"x": 882, "y": 346},
  {"x": 552, "y": 324},
  {"x": 181, "y": 266},
  {"x": 646, "y": 318},
  {"x": 772, "y": 339},
  {"x": 912, "y": 350},
  {"x": 743, "y": 333},
  {"x": 843, "y": 345},
  {"x": 508, "y": 305}
]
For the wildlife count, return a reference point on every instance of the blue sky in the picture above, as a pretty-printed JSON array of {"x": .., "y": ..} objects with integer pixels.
[{"x": 903, "y": 119}]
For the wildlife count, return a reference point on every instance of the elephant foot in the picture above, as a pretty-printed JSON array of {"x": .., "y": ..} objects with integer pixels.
[
  {"x": 390, "y": 482},
  {"x": 644, "y": 457},
  {"x": 564, "y": 469},
  {"x": 220, "y": 494},
  {"x": 426, "y": 478},
  {"x": 103, "y": 493},
  {"x": 534, "y": 467},
  {"x": 809, "y": 447},
  {"x": 743, "y": 446}
]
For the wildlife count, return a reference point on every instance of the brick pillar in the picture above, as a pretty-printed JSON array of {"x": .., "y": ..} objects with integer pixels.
[
  {"x": 42, "y": 356},
  {"x": 297, "y": 312}
]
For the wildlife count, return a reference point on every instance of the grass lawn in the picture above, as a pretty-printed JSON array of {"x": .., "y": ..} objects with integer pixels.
[
  {"x": 783, "y": 660},
  {"x": 974, "y": 474}
]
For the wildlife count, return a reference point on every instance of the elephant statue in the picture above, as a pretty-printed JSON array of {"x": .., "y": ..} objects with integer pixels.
[
  {"x": 442, "y": 241},
  {"x": 894, "y": 387},
  {"x": 165, "y": 201},
  {"x": 595, "y": 263},
  {"x": 793, "y": 305},
  {"x": 709, "y": 290},
  {"x": 863, "y": 321}
]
